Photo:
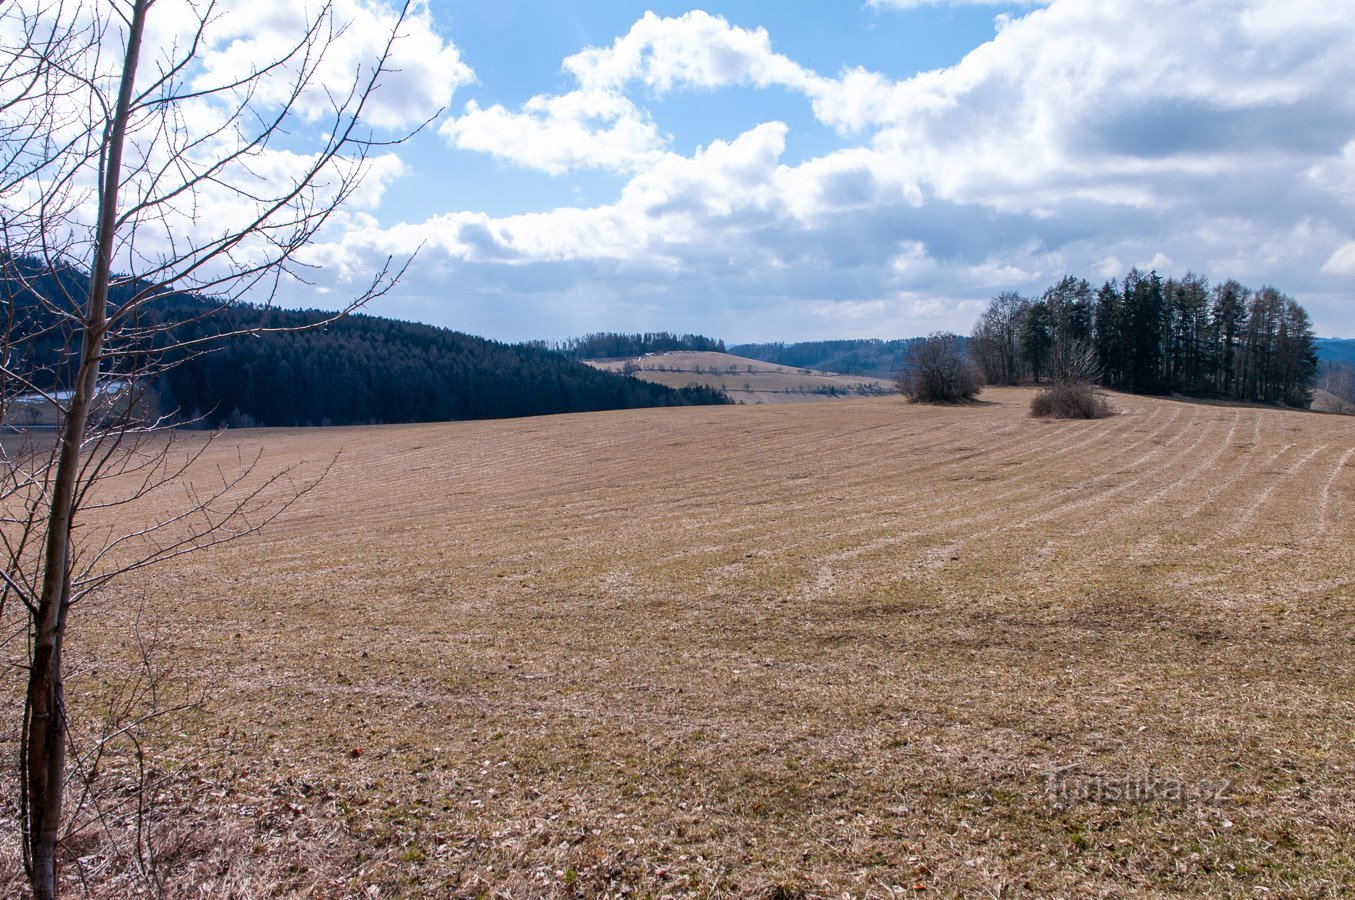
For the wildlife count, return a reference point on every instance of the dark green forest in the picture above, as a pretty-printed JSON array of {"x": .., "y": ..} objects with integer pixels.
[
  {"x": 616, "y": 345},
  {"x": 360, "y": 369},
  {"x": 1152, "y": 335},
  {"x": 364, "y": 369}
]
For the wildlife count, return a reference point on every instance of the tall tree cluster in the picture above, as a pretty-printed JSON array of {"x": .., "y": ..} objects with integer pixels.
[
  {"x": 616, "y": 345},
  {"x": 1151, "y": 335}
]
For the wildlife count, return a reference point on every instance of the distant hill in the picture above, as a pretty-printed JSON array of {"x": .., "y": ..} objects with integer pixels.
[
  {"x": 746, "y": 380},
  {"x": 359, "y": 370},
  {"x": 616, "y": 345},
  {"x": 870, "y": 357},
  {"x": 368, "y": 369},
  {"x": 1336, "y": 349}
]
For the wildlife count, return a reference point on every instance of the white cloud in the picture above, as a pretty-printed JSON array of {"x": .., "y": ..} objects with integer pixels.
[
  {"x": 221, "y": 136},
  {"x": 597, "y": 126},
  {"x": 1086, "y": 136},
  {"x": 1342, "y": 262},
  {"x": 584, "y": 129},
  {"x": 249, "y": 35},
  {"x": 696, "y": 49}
]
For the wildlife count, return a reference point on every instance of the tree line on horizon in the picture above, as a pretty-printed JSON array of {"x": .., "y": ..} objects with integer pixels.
[
  {"x": 620, "y": 345},
  {"x": 1155, "y": 336},
  {"x": 870, "y": 357}
]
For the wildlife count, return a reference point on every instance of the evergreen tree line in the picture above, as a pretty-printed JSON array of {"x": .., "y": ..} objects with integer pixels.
[
  {"x": 615, "y": 345},
  {"x": 360, "y": 369},
  {"x": 1149, "y": 335},
  {"x": 869, "y": 357}
]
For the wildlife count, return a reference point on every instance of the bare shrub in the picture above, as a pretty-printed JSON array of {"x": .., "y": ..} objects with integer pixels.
[
  {"x": 1070, "y": 400},
  {"x": 1338, "y": 380},
  {"x": 937, "y": 370}
]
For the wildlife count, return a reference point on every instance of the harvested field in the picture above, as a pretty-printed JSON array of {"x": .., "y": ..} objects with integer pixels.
[
  {"x": 745, "y": 380},
  {"x": 859, "y": 648}
]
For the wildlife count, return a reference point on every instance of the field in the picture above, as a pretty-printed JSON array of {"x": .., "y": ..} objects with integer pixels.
[
  {"x": 746, "y": 380},
  {"x": 858, "y": 648}
]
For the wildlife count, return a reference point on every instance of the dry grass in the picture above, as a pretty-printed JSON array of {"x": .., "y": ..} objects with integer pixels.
[
  {"x": 749, "y": 381},
  {"x": 822, "y": 649},
  {"x": 1070, "y": 400}
]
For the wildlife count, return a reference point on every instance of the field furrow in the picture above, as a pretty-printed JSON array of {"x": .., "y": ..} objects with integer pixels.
[{"x": 820, "y": 649}]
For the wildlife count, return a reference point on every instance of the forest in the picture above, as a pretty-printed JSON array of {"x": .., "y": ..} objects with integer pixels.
[
  {"x": 616, "y": 345},
  {"x": 360, "y": 369},
  {"x": 1149, "y": 335}
]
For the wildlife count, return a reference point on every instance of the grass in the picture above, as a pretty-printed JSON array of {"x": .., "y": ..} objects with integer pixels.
[{"x": 767, "y": 651}]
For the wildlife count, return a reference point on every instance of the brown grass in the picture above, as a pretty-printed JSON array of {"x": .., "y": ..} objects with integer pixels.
[
  {"x": 813, "y": 650},
  {"x": 1070, "y": 400},
  {"x": 750, "y": 381}
]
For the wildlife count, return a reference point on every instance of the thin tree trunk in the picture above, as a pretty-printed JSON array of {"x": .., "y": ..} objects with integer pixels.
[{"x": 45, "y": 727}]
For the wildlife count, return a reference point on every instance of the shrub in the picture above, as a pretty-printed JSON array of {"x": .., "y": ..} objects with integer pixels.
[
  {"x": 937, "y": 370},
  {"x": 1070, "y": 400}
]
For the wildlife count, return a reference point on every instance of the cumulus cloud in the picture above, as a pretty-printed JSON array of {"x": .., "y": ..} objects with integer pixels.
[
  {"x": 1086, "y": 136},
  {"x": 696, "y": 49},
  {"x": 558, "y": 134},
  {"x": 597, "y": 126},
  {"x": 250, "y": 36}
]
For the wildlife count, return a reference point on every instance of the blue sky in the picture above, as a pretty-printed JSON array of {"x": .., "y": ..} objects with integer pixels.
[
  {"x": 515, "y": 48},
  {"x": 796, "y": 170}
]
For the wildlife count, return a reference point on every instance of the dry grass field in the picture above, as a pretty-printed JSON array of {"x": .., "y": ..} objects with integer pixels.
[
  {"x": 849, "y": 649},
  {"x": 746, "y": 380}
]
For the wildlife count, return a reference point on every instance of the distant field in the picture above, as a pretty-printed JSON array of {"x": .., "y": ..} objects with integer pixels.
[
  {"x": 819, "y": 650},
  {"x": 747, "y": 380}
]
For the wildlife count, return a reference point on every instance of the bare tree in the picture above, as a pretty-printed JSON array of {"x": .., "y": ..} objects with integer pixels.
[
  {"x": 117, "y": 161},
  {"x": 937, "y": 370},
  {"x": 1072, "y": 360},
  {"x": 1337, "y": 380},
  {"x": 996, "y": 340}
]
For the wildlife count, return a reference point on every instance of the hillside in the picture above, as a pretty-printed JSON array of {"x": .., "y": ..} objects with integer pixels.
[
  {"x": 745, "y": 380},
  {"x": 1336, "y": 349},
  {"x": 365, "y": 369},
  {"x": 868, "y": 356},
  {"x": 810, "y": 650},
  {"x": 361, "y": 369}
]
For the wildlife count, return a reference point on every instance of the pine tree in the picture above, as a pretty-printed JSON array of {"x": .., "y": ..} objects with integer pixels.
[
  {"x": 1036, "y": 338},
  {"x": 1108, "y": 340}
]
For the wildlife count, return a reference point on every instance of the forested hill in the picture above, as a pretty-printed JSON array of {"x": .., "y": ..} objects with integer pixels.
[
  {"x": 358, "y": 370},
  {"x": 366, "y": 369},
  {"x": 614, "y": 345},
  {"x": 873, "y": 357},
  {"x": 1337, "y": 350}
]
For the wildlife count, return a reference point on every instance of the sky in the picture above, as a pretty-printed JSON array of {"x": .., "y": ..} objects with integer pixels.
[{"x": 798, "y": 170}]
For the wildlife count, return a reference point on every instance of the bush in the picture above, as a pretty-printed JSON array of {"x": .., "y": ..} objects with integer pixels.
[
  {"x": 938, "y": 370},
  {"x": 1070, "y": 400}
]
